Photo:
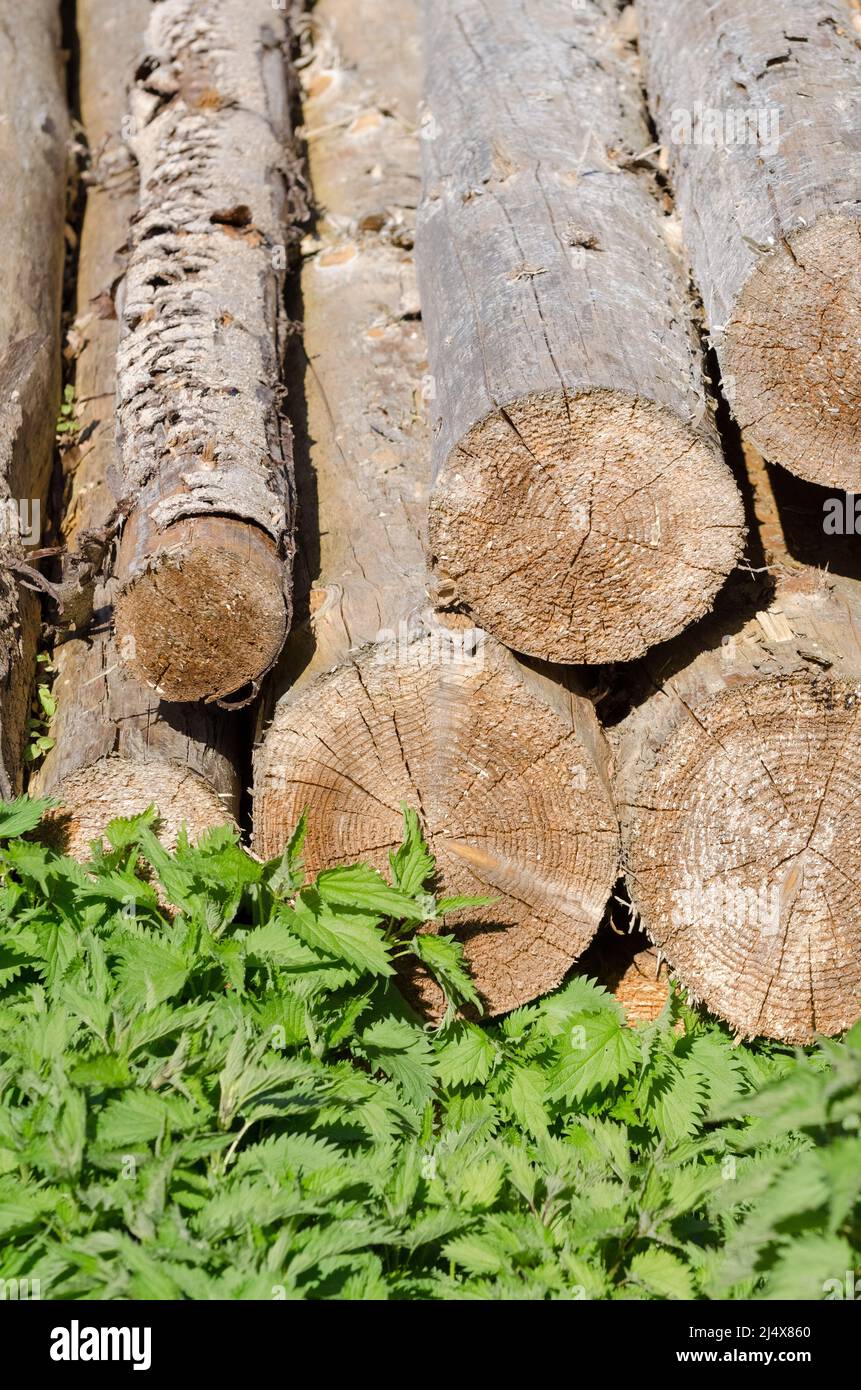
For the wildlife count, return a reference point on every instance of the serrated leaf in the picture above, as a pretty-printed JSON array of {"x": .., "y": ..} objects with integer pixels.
[
  {"x": 405, "y": 1054},
  {"x": 597, "y": 1051},
  {"x": 412, "y": 864},
  {"x": 465, "y": 1056},
  {"x": 22, "y": 815},
  {"x": 662, "y": 1274},
  {"x": 360, "y": 887}
]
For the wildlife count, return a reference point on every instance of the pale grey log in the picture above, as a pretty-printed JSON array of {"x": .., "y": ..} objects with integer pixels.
[
  {"x": 582, "y": 509},
  {"x": 33, "y": 157},
  {"x": 759, "y": 107}
]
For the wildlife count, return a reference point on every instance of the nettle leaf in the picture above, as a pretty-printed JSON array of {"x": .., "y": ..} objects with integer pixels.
[
  {"x": 150, "y": 971},
  {"x": 342, "y": 933},
  {"x": 412, "y": 864},
  {"x": 526, "y": 1095},
  {"x": 124, "y": 831},
  {"x": 104, "y": 1072},
  {"x": 364, "y": 889},
  {"x": 813, "y": 1268},
  {"x": 22, "y": 815},
  {"x": 677, "y": 1099},
  {"x": 404, "y": 1053},
  {"x": 287, "y": 874},
  {"x": 578, "y": 996},
  {"x": 444, "y": 958},
  {"x": 140, "y": 1117},
  {"x": 479, "y": 1253},
  {"x": 597, "y": 1051},
  {"x": 662, "y": 1274},
  {"x": 465, "y": 1055}
]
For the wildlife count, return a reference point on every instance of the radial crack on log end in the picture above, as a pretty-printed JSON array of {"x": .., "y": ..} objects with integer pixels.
[
  {"x": 93, "y": 796},
  {"x": 513, "y": 803},
  {"x": 586, "y": 529},
  {"x": 207, "y": 614},
  {"x": 740, "y": 863},
  {"x": 792, "y": 354}
]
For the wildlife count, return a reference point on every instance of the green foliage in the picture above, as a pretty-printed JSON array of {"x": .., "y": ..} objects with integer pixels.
[
  {"x": 43, "y": 710},
  {"x": 67, "y": 422},
  {"x": 230, "y": 1097}
]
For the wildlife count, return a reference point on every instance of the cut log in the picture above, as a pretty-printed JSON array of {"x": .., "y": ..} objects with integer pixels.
[
  {"x": 33, "y": 141},
  {"x": 206, "y": 455},
  {"x": 737, "y": 789},
  {"x": 581, "y": 506},
  {"x": 632, "y": 970},
  {"x": 117, "y": 749},
  {"x": 383, "y": 706},
  {"x": 757, "y": 106}
]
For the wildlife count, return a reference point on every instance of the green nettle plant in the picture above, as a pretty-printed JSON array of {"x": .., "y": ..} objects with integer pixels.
[{"x": 211, "y": 1086}]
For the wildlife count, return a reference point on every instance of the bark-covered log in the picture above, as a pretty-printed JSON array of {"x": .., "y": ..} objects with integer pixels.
[
  {"x": 737, "y": 790},
  {"x": 758, "y": 108},
  {"x": 205, "y": 451},
  {"x": 33, "y": 143},
  {"x": 383, "y": 706},
  {"x": 117, "y": 750},
  {"x": 581, "y": 507}
]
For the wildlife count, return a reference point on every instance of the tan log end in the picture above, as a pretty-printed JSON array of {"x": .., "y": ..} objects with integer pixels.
[
  {"x": 632, "y": 970},
  {"x": 791, "y": 358},
  {"x": 740, "y": 855},
  {"x": 204, "y": 615},
  {"x": 93, "y": 796},
  {"x": 585, "y": 529},
  {"x": 512, "y": 806}
]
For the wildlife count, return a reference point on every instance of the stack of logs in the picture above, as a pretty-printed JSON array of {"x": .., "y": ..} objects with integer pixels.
[{"x": 395, "y": 420}]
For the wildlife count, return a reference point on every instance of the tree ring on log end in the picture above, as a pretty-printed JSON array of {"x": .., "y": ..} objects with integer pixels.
[
  {"x": 509, "y": 799},
  {"x": 204, "y": 614},
  {"x": 739, "y": 861},
  {"x": 93, "y": 796},
  {"x": 792, "y": 366},
  {"x": 585, "y": 528}
]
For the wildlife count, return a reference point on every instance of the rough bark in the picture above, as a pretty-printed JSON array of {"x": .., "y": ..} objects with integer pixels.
[
  {"x": 758, "y": 108},
  {"x": 118, "y": 749},
  {"x": 383, "y": 706},
  {"x": 205, "y": 452},
  {"x": 581, "y": 507},
  {"x": 737, "y": 791},
  {"x": 33, "y": 140}
]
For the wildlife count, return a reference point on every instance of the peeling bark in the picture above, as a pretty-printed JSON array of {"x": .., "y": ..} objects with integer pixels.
[
  {"x": 581, "y": 507},
  {"x": 757, "y": 106},
  {"x": 117, "y": 749},
  {"x": 381, "y": 704},
  {"x": 206, "y": 455},
  {"x": 737, "y": 790},
  {"x": 33, "y": 139}
]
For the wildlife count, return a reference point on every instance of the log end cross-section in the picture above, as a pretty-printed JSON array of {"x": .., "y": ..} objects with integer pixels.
[
  {"x": 585, "y": 528},
  {"x": 792, "y": 353},
  {"x": 738, "y": 797},
  {"x": 508, "y": 780}
]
